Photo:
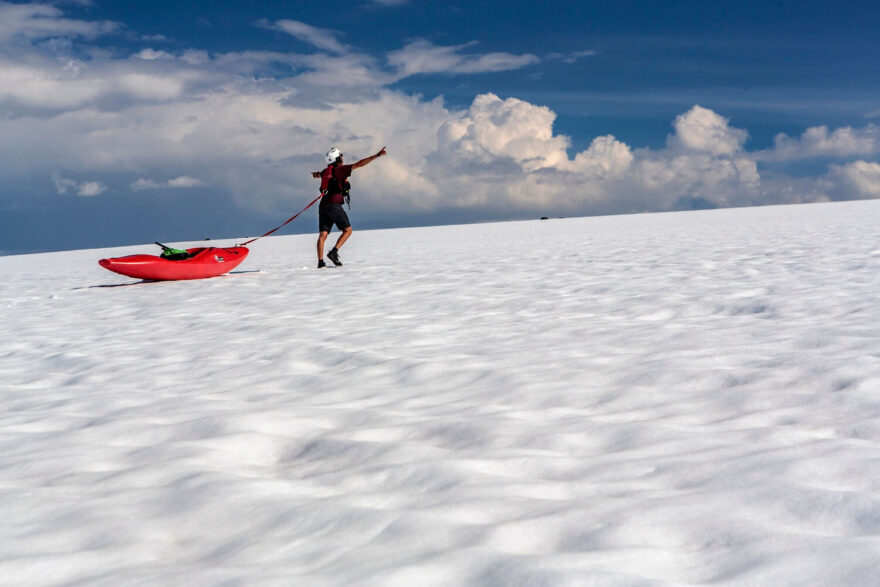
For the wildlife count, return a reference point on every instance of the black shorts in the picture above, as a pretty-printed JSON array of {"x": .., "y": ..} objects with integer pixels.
[{"x": 330, "y": 214}]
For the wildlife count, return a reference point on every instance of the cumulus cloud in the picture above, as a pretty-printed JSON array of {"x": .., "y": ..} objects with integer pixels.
[
  {"x": 511, "y": 129},
  {"x": 701, "y": 129},
  {"x": 137, "y": 120},
  {"x": 819, "y": 141},
  {"x": 861, "y": 177},
  {"x": 505, "y": 152},
  {"x": 606, "y": 156}
]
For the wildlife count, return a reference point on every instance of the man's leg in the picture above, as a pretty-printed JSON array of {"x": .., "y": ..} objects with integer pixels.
[
  {"x": 333, "y": 255},
  {"x": 322, "y": 236},
  {"x": 340, "y": 218},
  {"x": 343, "y": 237}
]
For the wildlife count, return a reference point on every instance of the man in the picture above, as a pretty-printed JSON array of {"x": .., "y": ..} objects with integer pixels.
[{"x": 334, "y": 186}]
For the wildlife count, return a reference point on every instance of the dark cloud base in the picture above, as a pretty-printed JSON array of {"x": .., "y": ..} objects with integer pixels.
[
  {"x": 113, "y": 220},
  {"x": 108, "y": 221}
]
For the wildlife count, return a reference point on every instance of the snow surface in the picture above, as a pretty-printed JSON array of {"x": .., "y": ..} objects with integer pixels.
[{"x": 680, "y": 398}]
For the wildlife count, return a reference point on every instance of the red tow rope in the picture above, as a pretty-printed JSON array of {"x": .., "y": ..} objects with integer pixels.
[{"x": 312, "y": 203}]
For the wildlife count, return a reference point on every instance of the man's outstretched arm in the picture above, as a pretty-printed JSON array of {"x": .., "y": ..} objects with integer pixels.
[{"x": 363, "y": 162}]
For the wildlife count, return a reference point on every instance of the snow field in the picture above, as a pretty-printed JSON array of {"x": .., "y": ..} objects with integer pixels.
[{"x": 684, "y": 398}]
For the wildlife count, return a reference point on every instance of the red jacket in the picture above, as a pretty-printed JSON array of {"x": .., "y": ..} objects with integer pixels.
[{"x": 333, "y": 189}]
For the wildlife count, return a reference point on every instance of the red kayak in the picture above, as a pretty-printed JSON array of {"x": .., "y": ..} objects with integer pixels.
[{"x": 201, "y": 263}]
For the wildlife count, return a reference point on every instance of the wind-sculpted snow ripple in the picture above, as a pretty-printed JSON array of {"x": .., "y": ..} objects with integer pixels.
[{"x": 653, "y": 399}]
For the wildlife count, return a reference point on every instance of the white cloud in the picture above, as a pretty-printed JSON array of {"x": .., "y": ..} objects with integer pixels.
[
  {"x": 184, "y": 181},
  {"x": 861, "y": 177},
  {"x": 195, "y": 57},
  {"x": 504, "y": 152},
  {"x": 42, "y": 83},
  {"x": 152, "y": 55},
  {"x": 91, "y": 188},
  {"x": 511, "y": 129},
  {"x": 500, "y": 157},
  {"x": 145, "y": 184},
  {"x": 606, "y": 156},
  {"x": 36, "y": 81},
  {"x": 146, "y": 86},
  {"x": 126, "y": 121},
  {"x": 318, "y": 37},
  {"x": 820, "y": 141},
  {"x": 701, "y": 129},
  {"x": 333, "y": 72},
  {"x": 37, "y": 21},
  {"x": 86, "y": 188},
  {"x": 424, "y": 57}
]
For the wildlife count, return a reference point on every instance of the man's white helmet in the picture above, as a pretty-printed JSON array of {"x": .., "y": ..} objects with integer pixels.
[{"x": 332, "y": 155}]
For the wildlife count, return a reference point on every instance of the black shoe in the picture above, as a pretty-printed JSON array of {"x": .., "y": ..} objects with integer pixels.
[
  {"x": 334, "y": 256},
  {"x": 321, "y": 264}
]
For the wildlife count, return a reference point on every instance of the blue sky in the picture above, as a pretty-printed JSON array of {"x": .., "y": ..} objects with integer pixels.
[{"x": 128, "y": 122}]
